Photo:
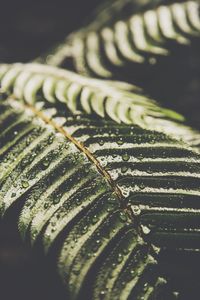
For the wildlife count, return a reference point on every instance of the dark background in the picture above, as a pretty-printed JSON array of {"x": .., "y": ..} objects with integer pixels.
[{"x": 28, "y": 29}]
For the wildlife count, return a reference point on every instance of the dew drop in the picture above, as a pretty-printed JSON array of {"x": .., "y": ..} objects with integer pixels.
[
  {"x": 46, "y": 205},
  {"x": 136, "y": 210},
  {"x": 94, "y": 219},
  {"x": 109, "y": 209},
  {"x": 84, "y": 229},
  {"x": 113, "y": 265},
  {"x": 88, "y": 255},
  {"x": 125, "y": 191},
  {"x": 78, "y": 201},
  {"x": 145, "y": 229},
  {"x": 141, "y": 186},
  {"x": 102, "y": 293},
  {"x": 125, "y": 251},
  {"x": 120, "y": 141},
  {"x": 111, "y": 200},
  {"x": 28, "y": 203},
  {"x": 124, "y": 169},
  {"x": 103, "y": 162},
  {"x": 114, "y": 174},
  {"x": 119, "y": 258},
  {"x": 125, "y": 157},
  {"x": 101, "y": 142},
  {"x": 15, "y": 184},
  {"x": 25, "y": 184},
  {"x": 123, "y": 217},
  {"x": 45, "y": 163},
  {"x": 56, "y": 200}
]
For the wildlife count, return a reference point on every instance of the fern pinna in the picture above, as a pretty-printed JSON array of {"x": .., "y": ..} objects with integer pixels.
[
  {"x": 106, "y": 190},
  {"x": 103, "y": 50},
  {"x": 121, "y": 102}
]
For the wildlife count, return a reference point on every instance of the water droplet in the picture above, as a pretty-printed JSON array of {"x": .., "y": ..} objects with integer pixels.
[
  {"x": 136, "y": 210},
  {"x": 110, "y": 208},
  {"x": 141, "y": 186},
  {"x": 45, "y": 163},
  {"x": 123, "y": 217},
  {"x": 114, "y": 265},
  {"x": 125, "y": 251},
  {"x": 103, "y": 162},
  {"x": 78, "y": 201},
  {"x": 95, "y": 219},
  {"x": 88, "y": 255},
  {"x": 124, "y": 169},
  {"x": 101, "y": 142},
  {"x": 95, "y": 249},
  {"x": 25, "y": 184},
  {"x": 56, "y": 200},
  {"x": 50, "y": 140},
  {"x": 84, "y": 229},
  {"x": 125, "y": 157},
  {"x": 149, "y": 171},
  {"x": 58, "y": 216},
  {"x": 140, "y": 156},
  {"x": 46, "y": 205},
  {"x": 119, "y": 258},
  {"x": 146, "y": 230},
  {"x": 111, "y": 200},
  {"x": 114, "y": 174},
  {"x": 28, "y": 203},
  {"x": 120, "y": 141},
  {"x": 125, "y": 191},
  {"x": 102, "y": 293}
]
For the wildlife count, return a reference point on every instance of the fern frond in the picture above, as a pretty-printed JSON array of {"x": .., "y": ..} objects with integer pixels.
[
  {"x": 119, "y": 101},
  {"x": 141, "y": 163},
  {"x": 71, "y": 193},
  {"x": 102, "y": 51}
]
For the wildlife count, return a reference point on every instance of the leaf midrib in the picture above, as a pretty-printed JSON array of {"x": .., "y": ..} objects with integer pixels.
[{"x": 81, "y": 147}]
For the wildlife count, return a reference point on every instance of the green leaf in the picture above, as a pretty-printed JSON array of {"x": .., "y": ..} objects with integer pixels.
[
  {"x": 83, "y": 186},
  {"x": 110, "y": 44},
  {"x": 118, "y": 101}
]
